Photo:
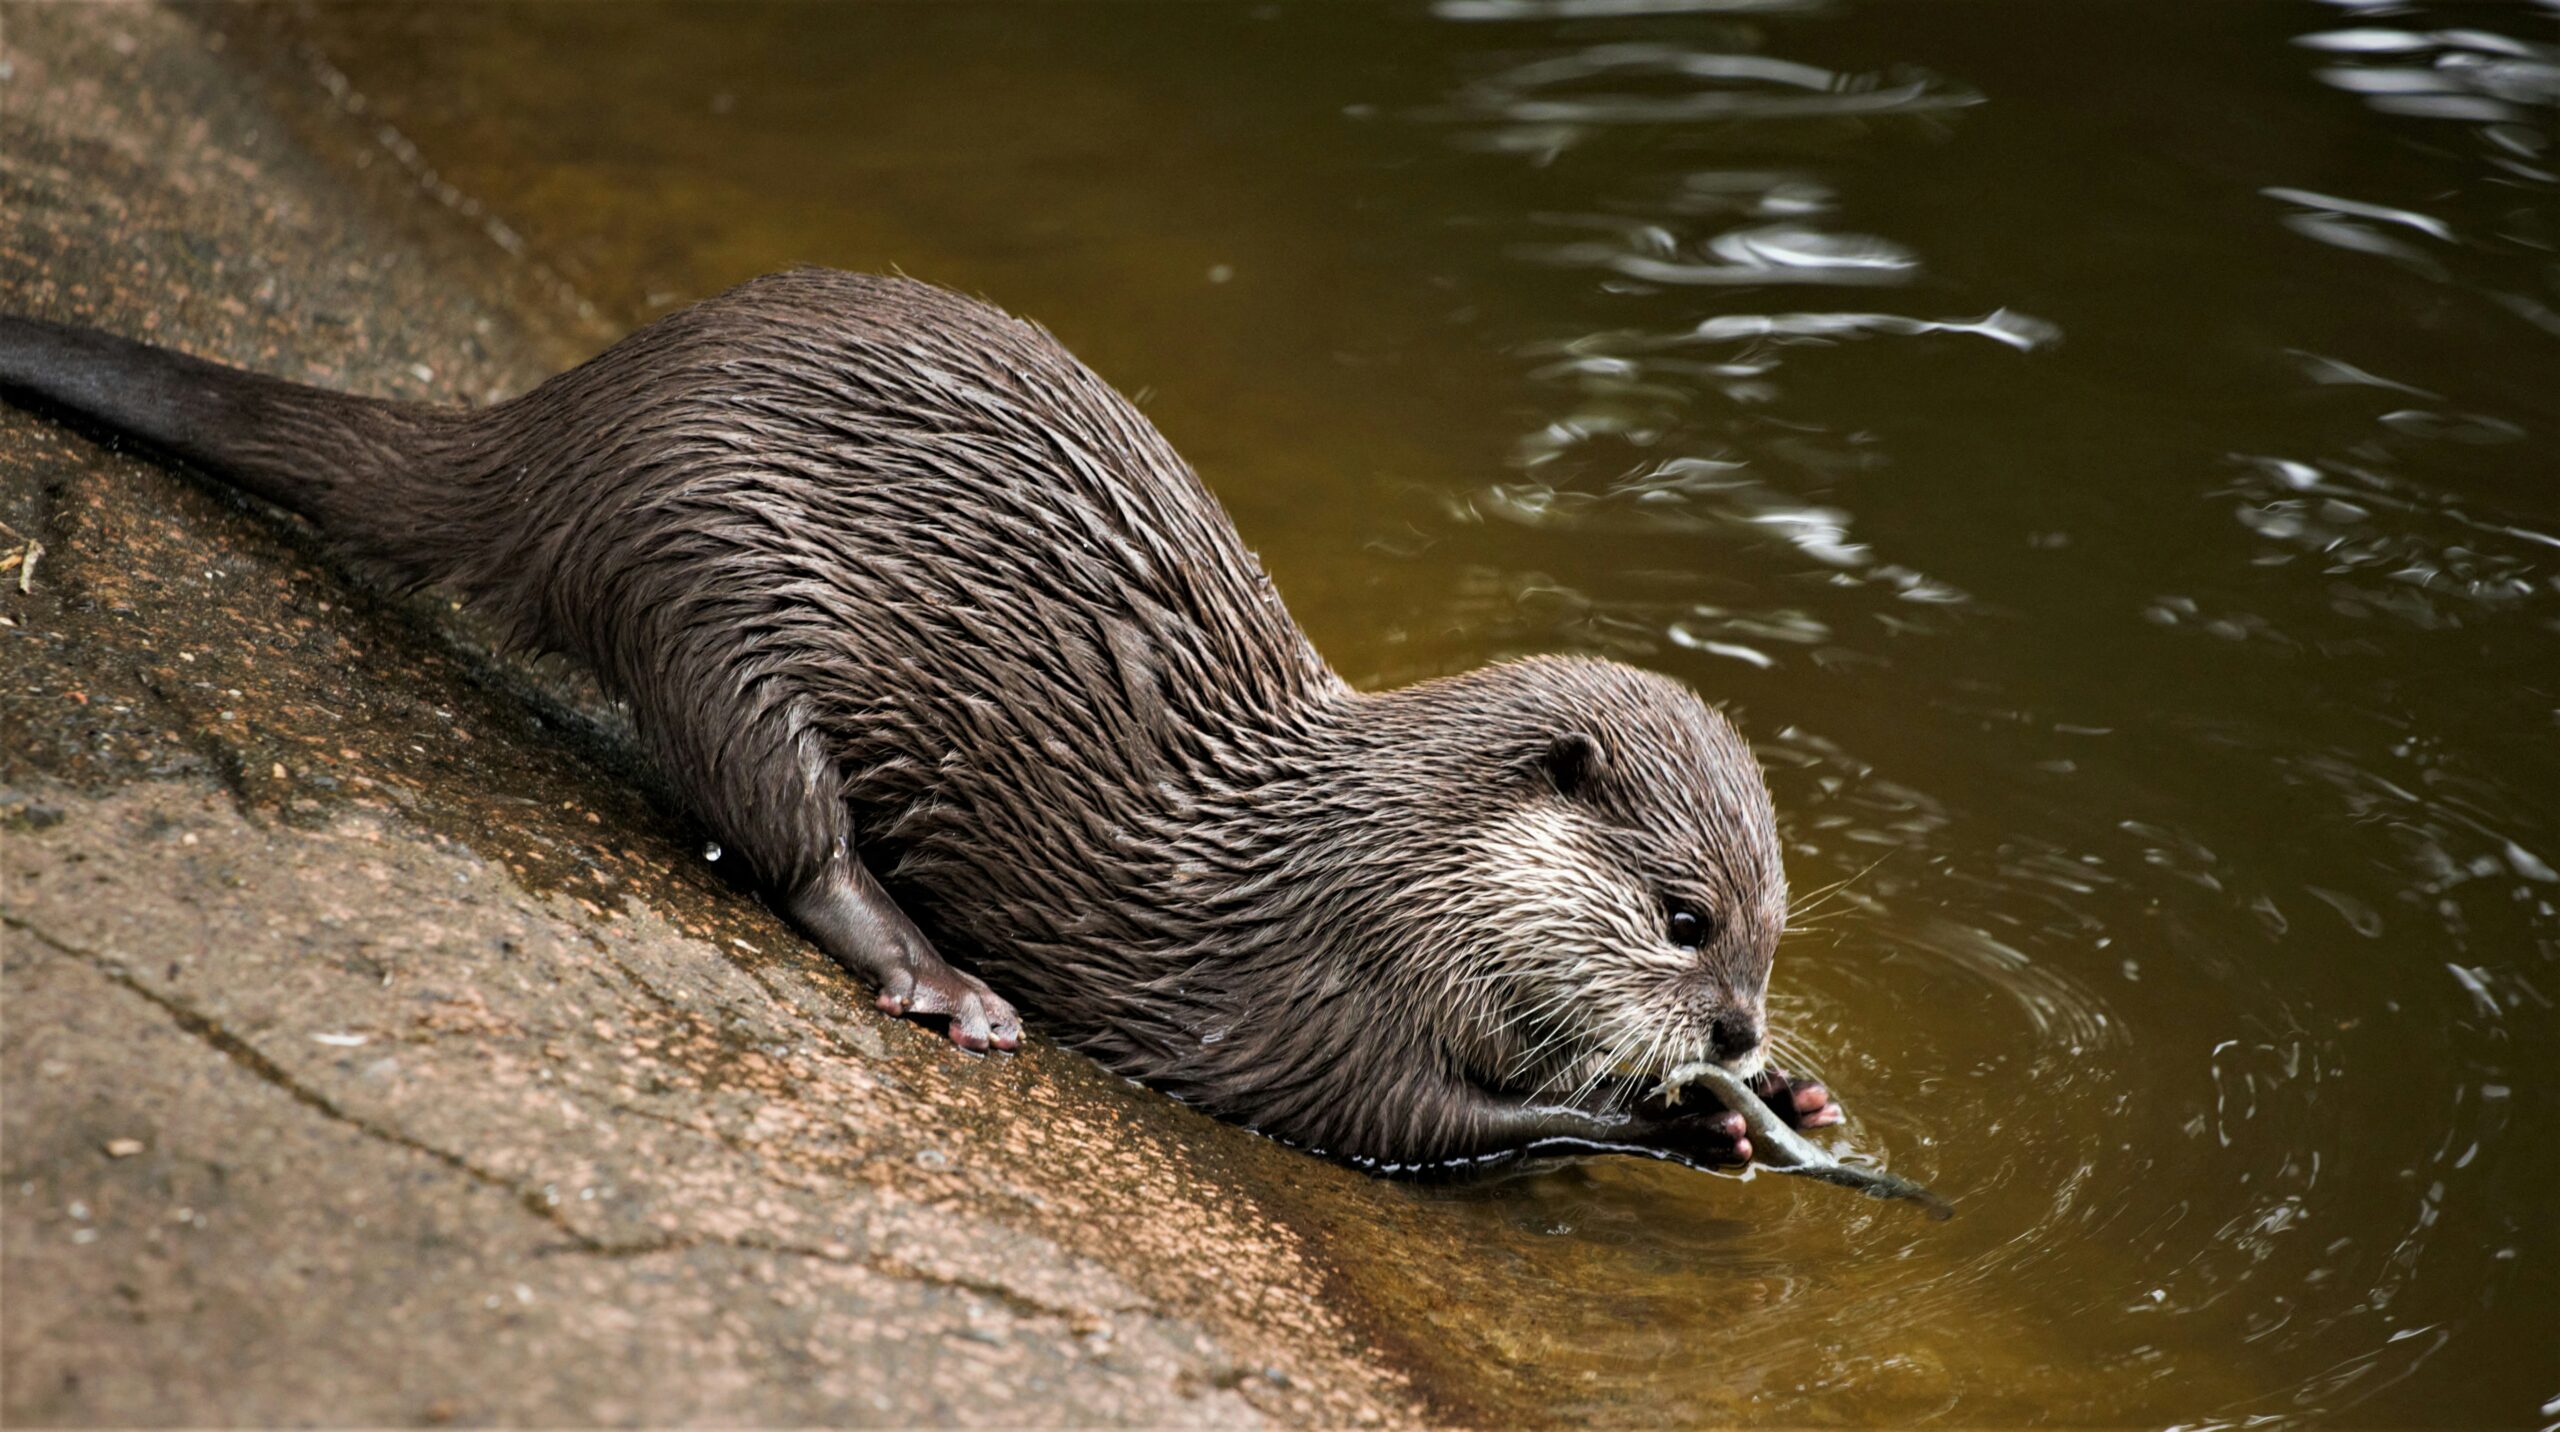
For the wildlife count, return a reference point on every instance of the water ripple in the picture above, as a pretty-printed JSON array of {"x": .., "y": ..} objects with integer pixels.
[
  {"x": 1607, "y": 9},
  {"x": 2470, "y": 75},
  {"x": 1677, "y": 84}
]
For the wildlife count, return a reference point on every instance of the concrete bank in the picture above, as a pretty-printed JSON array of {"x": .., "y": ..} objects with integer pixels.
[{"x": 376, "y": 1047}]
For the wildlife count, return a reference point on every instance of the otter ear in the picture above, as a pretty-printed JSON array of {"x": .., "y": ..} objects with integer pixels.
[{"x": 1571, "y": 762}]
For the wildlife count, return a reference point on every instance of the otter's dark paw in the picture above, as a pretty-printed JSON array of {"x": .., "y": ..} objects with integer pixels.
[
  {"x": 1723, "y": 1137},
  {"x": 1705, "y": 1137},
  {"x": 979, "y": 1019},
  {"x": 1803, "y": 1103}
]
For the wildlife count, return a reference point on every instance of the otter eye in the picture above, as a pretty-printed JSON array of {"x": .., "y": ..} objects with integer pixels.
[{"x": 1688, "y": 929}]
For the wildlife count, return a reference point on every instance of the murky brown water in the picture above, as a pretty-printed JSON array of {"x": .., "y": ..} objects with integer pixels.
[{"x": 2103, "y": 455}]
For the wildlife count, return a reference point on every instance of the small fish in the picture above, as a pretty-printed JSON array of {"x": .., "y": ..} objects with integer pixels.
[{"x": 1787, "y": 1151}]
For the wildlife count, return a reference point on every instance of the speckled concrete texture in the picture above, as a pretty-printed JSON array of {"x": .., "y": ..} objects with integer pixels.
[{"x": 375, "y": 1044}]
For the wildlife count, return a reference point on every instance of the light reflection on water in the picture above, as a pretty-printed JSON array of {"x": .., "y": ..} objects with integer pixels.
[{"x": 2100, "y": 453}]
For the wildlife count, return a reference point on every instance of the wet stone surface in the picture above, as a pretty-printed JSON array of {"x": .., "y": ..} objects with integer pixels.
[{"x": 379, "y": 1047}]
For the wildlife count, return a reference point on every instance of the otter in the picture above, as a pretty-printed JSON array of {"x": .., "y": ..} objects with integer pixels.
[{"x": 934, "y": 629}]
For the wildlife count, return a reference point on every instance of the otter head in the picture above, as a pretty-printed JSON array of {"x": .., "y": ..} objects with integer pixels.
[{"x": 1595, "y": 891}]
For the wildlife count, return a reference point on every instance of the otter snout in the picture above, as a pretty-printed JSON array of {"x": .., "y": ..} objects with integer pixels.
[{"x": 1735, "y": 1035}]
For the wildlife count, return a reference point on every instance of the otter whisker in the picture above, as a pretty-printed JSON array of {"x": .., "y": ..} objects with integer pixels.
[
  {"x": 1539, "y": 1011},
  {"x": 1794, "y": 1057},
  {"x": 1834, "y": 890},
  {"x": 1538, "y": 1052},
  {"x": 1603, "y": 1067}
]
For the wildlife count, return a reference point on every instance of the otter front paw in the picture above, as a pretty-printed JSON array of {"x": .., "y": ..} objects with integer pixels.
[
  {"x": 1721, "y": 1136},
  {"x": 1802, "y": 1103},
  {"x": 979, "y": 1018}
]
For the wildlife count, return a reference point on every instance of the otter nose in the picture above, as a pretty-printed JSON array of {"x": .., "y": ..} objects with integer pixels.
[{"x": 1734, "y": 1034}]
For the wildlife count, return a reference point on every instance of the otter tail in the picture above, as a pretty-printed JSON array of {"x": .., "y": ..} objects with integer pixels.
[{"x": 304, "y": 448}]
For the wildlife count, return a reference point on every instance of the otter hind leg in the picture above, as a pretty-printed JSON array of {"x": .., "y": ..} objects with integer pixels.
[
  {"x": 761, "y": 776},
  {"x": 844, "y": 909}
]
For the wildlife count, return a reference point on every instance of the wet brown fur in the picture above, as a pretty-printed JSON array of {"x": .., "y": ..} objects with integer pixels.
[{"x": 882, "y": 570}]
